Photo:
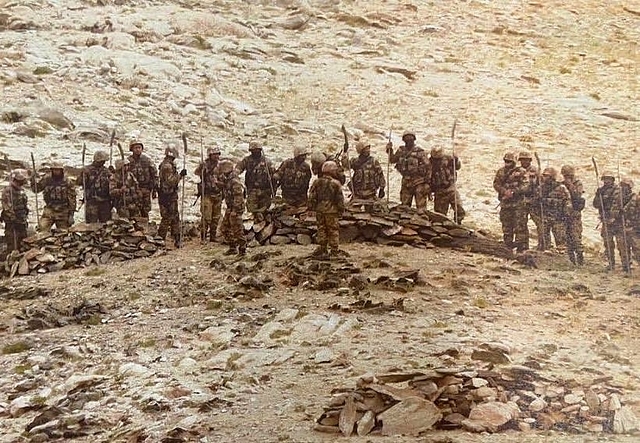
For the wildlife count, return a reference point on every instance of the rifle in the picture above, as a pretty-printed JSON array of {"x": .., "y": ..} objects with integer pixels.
[
  {"x": 35, "y": 188},
  {"x": 627, "y": 269},
  {"x": 84, "y": 178},
  {"x": 602, "y": 213},
  {"x": 345, "y": 148},
  {"x": 543, "y": 240},
  {"x": 184, "y": 166},
  {"x": 455, "y": 172},
  {"x": 113, "y": 136},
  {"x": 389, "y": 167}
]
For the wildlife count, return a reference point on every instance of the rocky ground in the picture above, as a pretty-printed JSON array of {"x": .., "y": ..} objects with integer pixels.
[{"x": 170, "y": 347}]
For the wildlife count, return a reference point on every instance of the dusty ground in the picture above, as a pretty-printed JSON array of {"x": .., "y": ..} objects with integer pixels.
[{"x": 539, "y": 75}]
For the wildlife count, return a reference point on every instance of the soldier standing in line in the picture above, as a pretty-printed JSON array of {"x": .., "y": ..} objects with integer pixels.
[
  {"x": 59, "y": 198},
  {"x": 234, "y": 198},
  {"x": 556, "y": 203},
  {"x": 603, "y": 201},
  {"x": 532, "y": 197},
  {"x": 146, "y": 175},
  {"x": 97, "y": 205},
  {"x": 293, "y": 176},
  {"x": 15, "y": 211},
  {"x": 621, "y": 197},
  {"x": 327, "y": 200},
  {"x": 210, "y": 189},
  {"x": 169, "y": 178},
  {"x": 413, "y": 164},
  {"x": 123, "y": 188},
  {"x": 368, "y": 180},
  {"x": 443, "y": 183},
  {"x": 318, "y": 159},
  {"x": 632, "y": 220},
  {"x": 511, "y": 183},
  {"x": 258, "y": 180},
  {"x": 573, "y": 219}
]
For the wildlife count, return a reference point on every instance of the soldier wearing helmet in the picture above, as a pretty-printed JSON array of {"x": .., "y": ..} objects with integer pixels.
[
  {"x": 258, "y": 180},
  {"x": 532, "y": 196},
  {"x": 327, "y": 200},
  {"x": 413, "y": 165},
  {"x": 622, "y": 196},
  {"x": 210, "y": 190},
  {"x": 293, "y": 176},
  {"x": 604, "y": 200},
  {"x": 234, "y": 193},
  {"x": 573, "y": 220},
  {"x": 632, "y": 225},
  {"x": 125, "y": 192},
  {"x": 367, "y": 181},
  {"x": 511, "y": 182},
  {"x": 59, "y": 198},
  {"x": 146, "y": 177},
  {"x": 169, "y": 178},
  {"x": 555, "y": 202},
  {"x": 97, "y": 200},
  {"x": 444, "y": 175},
  {"x": 15, "y": 211}
]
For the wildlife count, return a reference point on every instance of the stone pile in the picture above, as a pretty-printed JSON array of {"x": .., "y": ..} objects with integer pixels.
[{"x": 476, "y": 400}]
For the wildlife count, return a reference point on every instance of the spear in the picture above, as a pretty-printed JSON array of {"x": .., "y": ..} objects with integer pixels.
[
  {"x": 389, "y": 167},
  {"x": 35, "y": 188},
  {"x": 113, "y": 137},
  {"x": 627, "y": 269},
  {"x": 203, "y": 174},
  {"x": 602, "y": 213},
  {"x": 455, "y": 173},
  {"x": 184, "y": 166},
  {"x": 84, "y": 177},
  {"x": 542, "y": 240},
  {"x": 345, "y": 148}
]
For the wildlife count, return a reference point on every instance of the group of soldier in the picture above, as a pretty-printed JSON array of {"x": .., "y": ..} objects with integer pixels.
[{"x": 554, "y": 201}]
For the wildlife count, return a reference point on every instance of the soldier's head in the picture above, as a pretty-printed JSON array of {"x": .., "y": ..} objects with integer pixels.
[
  {"x": 525, "y": 158},
  {"x": 509, "y": 159},
  {"x": 18, "y": 178},
  {"x": 136, "y": 147},
  {"x": 317, "y": 159},
  {"x": 300, "y": 154},
  {"x": 549, "y": 174},
  {"x": 255, "y": 147},
  {"x": 226, "y": 168},
  {"x": 363, "y": 147},
  {"x": 567, "y": 171},
  {"x": 437, "y": 152},
  {"x": 608, "y": 179},
  {"x": 330, "y": 169},
  {"x": 100, "y": 157},
  {"x": 57, "y": 169},
  {"x": 626, "y": 183},
  {"x": 122, "y": 163},
  {"x": 409, "y": 138},
  {"x": 213, "y": 152},
  {"x": 171, "y": 152}
]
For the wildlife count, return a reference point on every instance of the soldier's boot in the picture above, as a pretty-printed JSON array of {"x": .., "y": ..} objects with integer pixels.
[
  {"x": 572, "y": 257},
  {"x": 177, "y": 242},
  {"x": 320, "y": 251},
  {"x": 580, "y": 258},
  {"x": 242, "y": 250},
  {"x": 231, "y": 251}
]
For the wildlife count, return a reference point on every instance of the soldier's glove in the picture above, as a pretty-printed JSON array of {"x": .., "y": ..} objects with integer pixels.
[
  {"x": 183, "y": 173},
  {"x": 381, "y": 193},
  {"x": 112, "y": 169},
  {"x": 389, "y": 148}
]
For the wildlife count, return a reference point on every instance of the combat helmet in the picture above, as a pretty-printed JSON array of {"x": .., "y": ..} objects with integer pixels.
[
  {"x": 225, "y": 167},
  {"x": 172, "y": 151},
  {"x": 567, "y": 171},
  {"x": 362, "y": 145},
  {"x": 213, "y": 150},
  {"x": 525, "y": 155},
  {"x": 299, "y": 150},
  {"x": 509, "y": 157},
  {"x": 607, "y": 174},
  {"x": 100, "y": 156},
  {"x": 407, "y": 133},
  {"x": 56, "y": 165},
  {"x": 330, "y": 168},
  {"x": 437, "y": 152},
  {"x": 133, "y": 141},
  {"x": 254, "y": 145}
]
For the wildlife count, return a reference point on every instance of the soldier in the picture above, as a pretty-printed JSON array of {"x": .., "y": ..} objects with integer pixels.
[
  {"x": 15, "y": 211},
  {"x": 512, "y": 182},
  {"x": 293, "y": 176},
  {"x": 258, "y": 180},
  {"x": 145, "y": 173},
  {"x": 123, "y": 188},
  {"x": 632, "y": 220},
  {"x": 413, "y": 164},
  {"x": 97, "y": 205},
  {"x": 318, "y": 159},
  {"x": 211, "y": 193},
  {"x": 169, "y": 178},
  {"x": 368, "y": 181},
  {"x": 532, "y": 197},
  {"x": 556, "y": 203},
  {"x": 603, "y": 201},
  {"x": 573, "y": 218},
  {"x": 622, "y": 196},
  {"x": 442, "y": 183},
  {"x": 59, "y": 198},
  {"x": 234, "y": 196},
  {"x": 327, "y": 200}
]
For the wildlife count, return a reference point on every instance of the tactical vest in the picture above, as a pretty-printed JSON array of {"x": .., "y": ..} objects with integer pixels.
[
  {"x": 56, "y": 192},
  {"x": 442, "y": 173},
  {"x": 412, "y": 163},
  {"x": 257, "y": 175},
  {"x": 167, "y": 185},
  {"x": 208, "y": 174},
  {"x": 18, "y": 199},
  {"x": 365, "y": 174},
  {"x": 234, "y": 194},
  {"x": 604, "y": 198},
  {"x": 97, "y": 183},
  {"x": 555, "y": 200},
  {"x": 294, "y": 177},
  {"x": 142, "y": 169}
]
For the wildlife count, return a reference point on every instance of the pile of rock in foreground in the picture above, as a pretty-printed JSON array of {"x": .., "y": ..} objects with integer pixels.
[
  {"x": 82, "y": 245},
  {"x": 516, "y": 397}
]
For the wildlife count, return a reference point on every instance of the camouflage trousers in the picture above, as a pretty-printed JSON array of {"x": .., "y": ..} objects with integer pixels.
[
  {"x": 54, "y": 216},
  {"x": 144, "y": 203},
  {"x": 545, "y": 228},
  {"x": 612, "y": 236},
  {"x": 130, "y": 211},
  {"x": 294, "y": 198},
  {"x": 232, "y": 229},
  {"x": 170, "y": 217},
  {"x": 211, "y": 213},
  {"x": 419, "y": 192},
  {"x": 97, "y": 212},
  {"x": 328, "y": 230},
  {"x": 258, "y": 202},
  {"x": 14, "y": 233},
  {"x": 633, "y": 238},
  {"x": 515, "y": 232},
  {"x": 449, "y": 198},
  {"x": 574, "y": 238}
]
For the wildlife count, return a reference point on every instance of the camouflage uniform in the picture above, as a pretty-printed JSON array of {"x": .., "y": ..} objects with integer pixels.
[
  {"x": 318, "y": 159},
  {"x": 146, "y": 176},
  {"x": 59, "y": 199},
  {"x": 573, "y": 218},
  {"x": 169, "y": 178},
  {"x": 327, "y": 200},
  {"x": 621, "y": 197},
  {"x": 124, "y": 191},
  {"x": 234, "y": 198},
  {"x": 632, "y": 219},
  {"x": 556, "y": 203},
  {"x": 442, "y": 184},
  {"x": 258, "y": 181},
  {"x": 95, "y": 178},
  {"x": 293, "y": 176},
  {"x": 511, "y": 182},
  {"x": 212, "y": 195},
  {"x": 368, "y": 181},
  {"x": 532, "y": 198},
  {"x": 413, "y": 164},
  {"x": 603, "y": 201},
  {"x": 15, "y": 212}
]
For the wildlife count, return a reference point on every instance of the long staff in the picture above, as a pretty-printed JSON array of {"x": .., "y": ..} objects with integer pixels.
[{"x": 184, "y": 166}]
